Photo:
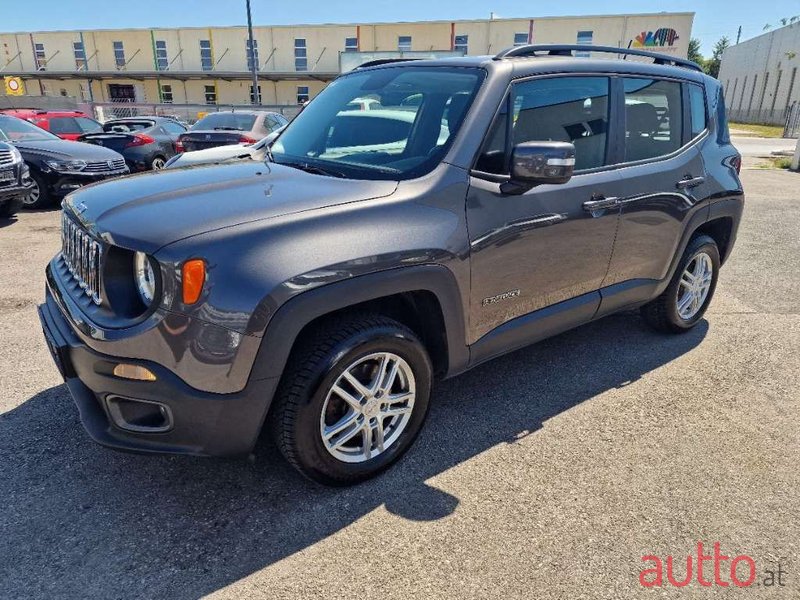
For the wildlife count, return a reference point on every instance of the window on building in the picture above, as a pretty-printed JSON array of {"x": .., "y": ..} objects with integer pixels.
[
  {"x": 653, "y": 117},
  {"x": 302, "y": 94},
  {"x": 300, "y": 55},
  {"x": 162, "y": 62},
  {"x": 520, "y": 39},
  {"x": 351, "y": 44},
  {"x": 584, "y": 39},
  {"x": 252, "y": 55},
  {"x": 461, "y": 42},
  {"x": 119, "y": 54},
  {"x": 80, "y": 56},
  {"x": 253, "y": 99},
  {"x": 166, "y": 93},
  {"x": 40, "y": 56},
  {"x": 697, "y": 105},
  {"x": 206, "y": 60},
  {"x": 404, "y": 43},
  {"x": 211, "y": 94}
]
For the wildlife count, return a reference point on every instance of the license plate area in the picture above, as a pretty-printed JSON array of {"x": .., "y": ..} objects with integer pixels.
[{"x": 7, "y": 175}]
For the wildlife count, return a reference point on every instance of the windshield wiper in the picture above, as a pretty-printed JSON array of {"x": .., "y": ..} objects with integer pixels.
[{"x": 315, "y": 169}]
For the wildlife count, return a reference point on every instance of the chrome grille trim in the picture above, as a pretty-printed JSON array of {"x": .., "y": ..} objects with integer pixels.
[
  {"x": 6, "y": 158},
  {"x": 104, "y": 166},
  {"x": 81, "y": 256}
]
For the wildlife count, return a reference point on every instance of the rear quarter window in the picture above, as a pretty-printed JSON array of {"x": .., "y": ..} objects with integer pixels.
[{"x": 697, "y": 108}]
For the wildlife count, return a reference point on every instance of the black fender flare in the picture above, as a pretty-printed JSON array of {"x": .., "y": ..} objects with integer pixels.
[{"x": 291, "y": 317}]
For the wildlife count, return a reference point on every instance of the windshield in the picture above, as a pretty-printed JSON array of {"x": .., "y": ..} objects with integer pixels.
[
  {"x": 13, "y": 129},
  {"x": 228, "y": 120},
  {"x": 414, "y": 115}
]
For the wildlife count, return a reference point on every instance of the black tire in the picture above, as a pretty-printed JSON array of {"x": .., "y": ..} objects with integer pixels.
[
  {"x": 315, "y": 365},
  {"x": 44, "y": 199},
  {"x": 662, "y": 313}
]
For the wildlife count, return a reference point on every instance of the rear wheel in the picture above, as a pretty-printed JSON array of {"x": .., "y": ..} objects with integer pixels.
[
  {"x": 682, "y": 305},
  {"x": 38, "y": 196},
  {"x": 158, "y": 163},
  {"x": 353, "y": 398}
]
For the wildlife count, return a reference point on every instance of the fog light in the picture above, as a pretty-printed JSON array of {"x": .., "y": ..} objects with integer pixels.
[{"x": 134, "y": 372}]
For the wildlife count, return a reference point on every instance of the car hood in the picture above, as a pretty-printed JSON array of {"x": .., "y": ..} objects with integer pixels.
[
  {"x": 65, "y": 150},
  {"x": 213, "y": 154},
  {"x": 148, "y": 211}
]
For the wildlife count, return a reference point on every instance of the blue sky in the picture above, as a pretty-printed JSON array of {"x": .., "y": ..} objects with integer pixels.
[{"x": 714, "y": 18}]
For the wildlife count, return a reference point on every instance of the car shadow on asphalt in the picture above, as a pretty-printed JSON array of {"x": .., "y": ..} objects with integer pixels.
[{"x": 79, "y": 520}]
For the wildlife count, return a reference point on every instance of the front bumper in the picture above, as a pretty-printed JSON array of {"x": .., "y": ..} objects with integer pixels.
[
  {"x": 201, "y": 423},
  {"x": 61, "y": 184},
  {"x": 14, "y": 194}
]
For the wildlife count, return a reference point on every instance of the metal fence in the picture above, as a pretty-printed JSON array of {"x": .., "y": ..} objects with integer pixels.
[
  {"x": 791, "y": 127},
  {"x": 189, "y": 113}
]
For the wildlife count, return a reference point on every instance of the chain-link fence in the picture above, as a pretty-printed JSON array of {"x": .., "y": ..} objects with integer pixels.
[
  {"x": 188, "y": 113},
  {"x": 791, "y": 127}
]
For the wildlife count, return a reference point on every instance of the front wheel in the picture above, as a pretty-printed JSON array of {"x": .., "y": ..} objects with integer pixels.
[
  {"x": 38, "y": 196},
  {"x": 353, "y": 399},
  {"x": 681, "y": 306},
  {"x": 158, "y": 163}
]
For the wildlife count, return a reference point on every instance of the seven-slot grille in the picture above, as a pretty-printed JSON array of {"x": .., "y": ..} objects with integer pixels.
[
  {"x": 103, "y": 166},
  {"x": 6, "y": 158},
  {"x": 82, "y": 257}
]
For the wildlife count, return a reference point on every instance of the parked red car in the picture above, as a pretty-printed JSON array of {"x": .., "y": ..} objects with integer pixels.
[{"x": 66, "y": 124}]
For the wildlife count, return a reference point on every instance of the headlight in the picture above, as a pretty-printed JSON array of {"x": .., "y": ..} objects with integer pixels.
[
  {"x": 145, "y": 277},
  {"x": 66, "y": 166},
  {"x": 15, "y": 155}
]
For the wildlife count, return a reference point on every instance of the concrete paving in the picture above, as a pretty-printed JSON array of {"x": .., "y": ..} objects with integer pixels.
[
  {"x": 757, "y": 146},
  {"x": 548, "y": 473}
]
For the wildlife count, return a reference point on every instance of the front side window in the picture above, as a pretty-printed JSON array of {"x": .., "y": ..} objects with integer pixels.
[
  {"x": 62, "y": 125},
  {"x": 88, "y": 125},
  {"x": 162, "y": 61},
  {"x": 421, "y": 110},
  {"x": 119, "y": 54},
  {"x": 404, "y": 43},
  {"x": 206, "y": 60},
  {"x": 300, "y": 55},
  {"x": 653, "y": 118},
  {"x": 697, "y": 104}
]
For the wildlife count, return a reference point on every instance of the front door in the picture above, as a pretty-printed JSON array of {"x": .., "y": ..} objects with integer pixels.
[{"x": 544, "y": 247}]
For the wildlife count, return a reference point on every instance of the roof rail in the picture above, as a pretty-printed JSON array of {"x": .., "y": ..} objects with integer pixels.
[
  {"x": 383, "y": 61},
  {"x": 568, "y": 49}
]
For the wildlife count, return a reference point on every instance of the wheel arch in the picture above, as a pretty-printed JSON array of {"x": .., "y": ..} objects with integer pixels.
[{"x": 425, "y": 298}]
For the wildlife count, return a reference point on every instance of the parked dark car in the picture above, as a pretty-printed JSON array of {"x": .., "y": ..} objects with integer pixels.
[
  {"x": 224, "y": 128},
  {"x": 66, "y": 124},
  {"x": 145, "y": 142},
  {"x": 57, "y": 166},
  {"x": 15, "y": 181},
  {"x": 221, "y": 154},
  {"x": 318, "y": 294}
]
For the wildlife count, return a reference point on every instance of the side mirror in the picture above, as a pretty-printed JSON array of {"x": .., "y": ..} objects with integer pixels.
[{"x": 535, "y": 163}]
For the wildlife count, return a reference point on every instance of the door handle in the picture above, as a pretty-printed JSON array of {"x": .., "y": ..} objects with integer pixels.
[
  {"x": 690, "y": 182},
  {"x": 600, "y": 203}
]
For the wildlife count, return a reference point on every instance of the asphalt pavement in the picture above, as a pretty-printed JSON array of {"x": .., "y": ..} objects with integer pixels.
[{"x": 548, "y": 473}]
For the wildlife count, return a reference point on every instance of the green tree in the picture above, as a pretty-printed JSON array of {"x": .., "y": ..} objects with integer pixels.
[
  {"x": 712, "y": 64},
  {"x": 694, "y": 52}
]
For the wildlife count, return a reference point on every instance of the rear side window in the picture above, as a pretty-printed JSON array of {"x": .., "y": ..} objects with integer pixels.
[
  {"x": 723, "y": 134},
  {"x": 653, "y": 118},
  {"x": 697, "y": 106},
  {"x": 64, "y": 125}
]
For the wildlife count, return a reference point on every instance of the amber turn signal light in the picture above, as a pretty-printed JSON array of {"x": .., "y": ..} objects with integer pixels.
[{"x": 193, "y": 276}]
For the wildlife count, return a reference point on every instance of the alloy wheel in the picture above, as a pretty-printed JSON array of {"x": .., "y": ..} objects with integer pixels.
[
  {"x": 695, "y": 284},
  {"x": 368, "y": 407},
  {"x": 32, "y": 197},
  {"x": 158, "y": 164}
]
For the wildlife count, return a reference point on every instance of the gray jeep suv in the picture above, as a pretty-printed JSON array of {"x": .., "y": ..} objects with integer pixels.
[{"x": 488, "y": 203}]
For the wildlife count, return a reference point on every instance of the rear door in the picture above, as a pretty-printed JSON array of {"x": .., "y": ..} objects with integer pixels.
[{"x": 663, "y": 177}]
